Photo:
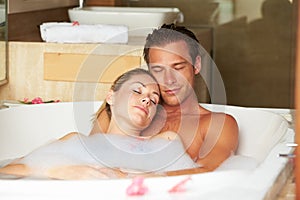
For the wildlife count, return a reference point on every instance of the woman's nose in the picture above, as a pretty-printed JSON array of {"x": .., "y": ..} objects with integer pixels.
[{"x": 146, "y": 100}]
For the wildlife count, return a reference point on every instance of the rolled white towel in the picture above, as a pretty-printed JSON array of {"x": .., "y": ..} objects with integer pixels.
[{"x": 65, "y": 32}]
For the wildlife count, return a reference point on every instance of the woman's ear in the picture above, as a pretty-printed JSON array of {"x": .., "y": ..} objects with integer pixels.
[
  {"x": 109, "y": 97},
  {"x": 197, "y": 65}
]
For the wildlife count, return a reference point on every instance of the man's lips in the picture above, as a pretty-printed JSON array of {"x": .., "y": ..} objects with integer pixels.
[{"x": 172, "y": 91}]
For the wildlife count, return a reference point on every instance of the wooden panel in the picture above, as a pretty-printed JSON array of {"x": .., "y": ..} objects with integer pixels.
[
  {"x": 100, "y": 2},
  {"x": 25, "y": 26},
  {"x": 87, "y": 68},
  {"x": 18, "y": 6}
]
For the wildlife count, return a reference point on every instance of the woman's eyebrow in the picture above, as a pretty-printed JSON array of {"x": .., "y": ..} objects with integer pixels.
[
  {"x": 139, "y": 83},
  {"x": 154, "y": 92}
]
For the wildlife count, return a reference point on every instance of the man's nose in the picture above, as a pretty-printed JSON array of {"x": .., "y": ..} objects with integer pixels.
[{"x": 169, "y": 77}]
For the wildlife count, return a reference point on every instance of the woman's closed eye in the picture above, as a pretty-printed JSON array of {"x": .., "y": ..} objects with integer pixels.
[
  {"x": 153, "y": 100},
  {"x": 137, "y": 91}
]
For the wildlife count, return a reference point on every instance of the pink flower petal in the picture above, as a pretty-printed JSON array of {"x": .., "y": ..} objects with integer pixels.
[
  {"x": 181, "y": 186},
  {"x": 75, "y": 23},
  {"x": 137, "y": 187}
]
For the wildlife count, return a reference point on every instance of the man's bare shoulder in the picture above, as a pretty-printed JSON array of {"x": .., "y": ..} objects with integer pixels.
[
  {"x": 225, "y": 128},
  {"x": 213, "y": 118}
]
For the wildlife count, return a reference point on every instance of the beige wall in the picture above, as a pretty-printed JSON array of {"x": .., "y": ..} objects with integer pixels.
[
  {"x": 26, "y": 72},
  {"x": 2, "y": 59}
]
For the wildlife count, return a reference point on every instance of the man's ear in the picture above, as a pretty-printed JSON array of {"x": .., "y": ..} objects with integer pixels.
[
  {"x": 197, "y": 65},
  {"x": 109, "y": 97}
]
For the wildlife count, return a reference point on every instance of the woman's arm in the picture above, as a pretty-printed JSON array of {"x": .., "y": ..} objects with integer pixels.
[
  {"x": 79, "y": 172},
  {"x": 19, "y": 170},
  {"x": 67, "y": 172}
]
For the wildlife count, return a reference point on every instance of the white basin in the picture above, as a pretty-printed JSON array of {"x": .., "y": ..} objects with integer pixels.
[{"x": 139, "y": 20}]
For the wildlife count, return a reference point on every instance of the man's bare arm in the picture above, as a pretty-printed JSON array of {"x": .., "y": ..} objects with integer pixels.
[{"x": 226, "y": 144}]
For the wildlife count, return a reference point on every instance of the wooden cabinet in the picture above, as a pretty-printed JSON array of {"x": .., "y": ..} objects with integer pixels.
[
  {"x": 103, "y": 2},
  {"x": 25, "y": 17}
]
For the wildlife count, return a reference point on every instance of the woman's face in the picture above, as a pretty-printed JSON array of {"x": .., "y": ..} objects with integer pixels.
[{"x": 134, "y": 104}]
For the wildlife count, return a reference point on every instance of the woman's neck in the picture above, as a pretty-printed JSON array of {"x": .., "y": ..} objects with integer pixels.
[{"x": 126, "y": 130}]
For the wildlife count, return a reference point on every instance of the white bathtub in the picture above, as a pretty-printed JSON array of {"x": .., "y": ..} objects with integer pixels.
[
  {"x": 250, "y": 174},
  {"x": 140, "y": 20}
]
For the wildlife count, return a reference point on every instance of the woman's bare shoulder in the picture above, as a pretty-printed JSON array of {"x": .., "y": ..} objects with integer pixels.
[{"x": 68, "y": 136}]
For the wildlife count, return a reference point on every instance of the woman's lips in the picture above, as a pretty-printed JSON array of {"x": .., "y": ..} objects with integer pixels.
[{"x": 142, "y": 109}]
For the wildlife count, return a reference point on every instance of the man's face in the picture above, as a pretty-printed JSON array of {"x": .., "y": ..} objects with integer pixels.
[{"x": 173, "y": 68}]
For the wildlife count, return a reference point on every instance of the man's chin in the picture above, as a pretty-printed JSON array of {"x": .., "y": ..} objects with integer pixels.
[{"x": 171, "y": 101}]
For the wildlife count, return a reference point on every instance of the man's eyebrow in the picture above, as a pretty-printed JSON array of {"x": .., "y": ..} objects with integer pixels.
[
  {"x": 180, "y": 62},
  {"x": 173, "y": 64}
]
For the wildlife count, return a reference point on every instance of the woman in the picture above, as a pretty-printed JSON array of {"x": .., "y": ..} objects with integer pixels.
[
  {"x": 131, "y": 104},
  {"x": 135, "y": 85}
]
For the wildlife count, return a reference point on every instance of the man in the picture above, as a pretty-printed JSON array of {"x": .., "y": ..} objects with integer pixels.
[{"x": 172, "y": 54}]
